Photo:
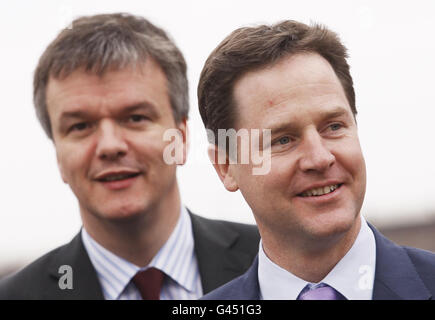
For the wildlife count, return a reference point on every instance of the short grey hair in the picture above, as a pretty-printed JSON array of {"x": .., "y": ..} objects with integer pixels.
[{"x": 105, "y": 42}]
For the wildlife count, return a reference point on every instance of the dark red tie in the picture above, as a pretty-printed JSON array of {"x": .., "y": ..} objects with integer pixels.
[{"x": 149, "y": 283}]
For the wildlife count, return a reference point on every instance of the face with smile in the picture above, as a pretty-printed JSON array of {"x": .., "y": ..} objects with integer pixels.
[
  {"x": 316, "y": 184},
  {"x": 108, "y": 133}
]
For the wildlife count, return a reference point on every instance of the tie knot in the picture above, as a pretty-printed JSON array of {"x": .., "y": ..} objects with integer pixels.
[
  {"x": 320, "y": 292},
  {"x": 149, "y": 283}
]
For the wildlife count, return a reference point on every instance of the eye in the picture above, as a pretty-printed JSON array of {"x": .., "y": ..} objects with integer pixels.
[
  {"x": 137, "y": 118},
  {"x": 281, "y": 142},
  {"x": 335, "y": 126},
  {"x": 284, "y": 140},
  {"x": 79, "y": 126}
]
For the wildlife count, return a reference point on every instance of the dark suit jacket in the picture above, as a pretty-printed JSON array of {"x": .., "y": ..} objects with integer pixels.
[
  {"x": 224, "y": 251},
  {"x": 401, "y": 273}
]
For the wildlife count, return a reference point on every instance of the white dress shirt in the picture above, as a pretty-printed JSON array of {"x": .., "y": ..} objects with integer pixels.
[
  {"x": 352, "y": 276},
  {"x": 176, "y": 259}
]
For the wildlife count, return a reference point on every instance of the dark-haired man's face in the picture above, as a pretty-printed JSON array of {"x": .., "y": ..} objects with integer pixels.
[
  {"x": 108, "y": 133},
  {"x": 316, "y": 184}
]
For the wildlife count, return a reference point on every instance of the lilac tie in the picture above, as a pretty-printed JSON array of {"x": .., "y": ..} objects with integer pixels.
[{"x": 321, "y": 292}]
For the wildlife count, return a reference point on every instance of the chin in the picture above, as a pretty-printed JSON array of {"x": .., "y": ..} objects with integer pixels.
[
  {"x": 123, "y": 212},
  {"x": 332, "y": 225}
]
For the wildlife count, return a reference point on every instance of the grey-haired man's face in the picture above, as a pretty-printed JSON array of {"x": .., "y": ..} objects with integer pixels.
[{"x": 108, "y": 133}]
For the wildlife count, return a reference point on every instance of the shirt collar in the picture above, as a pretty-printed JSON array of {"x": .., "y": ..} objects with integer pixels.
[
  {"x": 352, "y": 276},
  {"x": 177, "y": 254},
  {"x": 173, "y": 258},
  {"x": 275, "y": 282}
]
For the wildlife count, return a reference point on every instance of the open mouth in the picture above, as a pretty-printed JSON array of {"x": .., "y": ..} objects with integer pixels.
[
  {"x": 118, "y": 177},
  {"x": 317, "y": 192}
]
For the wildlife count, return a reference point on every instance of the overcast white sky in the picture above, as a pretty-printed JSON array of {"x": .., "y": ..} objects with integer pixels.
[{"x": 392, "y": 62}]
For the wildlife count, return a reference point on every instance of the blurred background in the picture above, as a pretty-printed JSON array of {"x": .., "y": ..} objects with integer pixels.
[{"x": 392, "y": 63}]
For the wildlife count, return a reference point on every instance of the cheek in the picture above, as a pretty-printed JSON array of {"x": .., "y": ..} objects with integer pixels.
[
  {"x": 352, "y": 160},
  {"x": 73, "y": 159},
  {"x": 150, "y": 148},
  {"x": 262, "y": 188},
  {"x": 148, "y": 153},
  {"x": 282, "y": 172}
]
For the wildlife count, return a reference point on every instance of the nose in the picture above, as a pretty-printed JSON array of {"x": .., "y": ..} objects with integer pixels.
[
  {"x": 111, "y": 144},
  {"x": 316, "y": 156}
]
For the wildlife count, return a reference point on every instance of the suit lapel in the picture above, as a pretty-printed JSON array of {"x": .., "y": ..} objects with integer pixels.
[
  {"x": 250, "y": 288},
  {"x": 218, "y": 263},
  {"x": 85, "y": 281},
  {"x": 395, "y": 274}
]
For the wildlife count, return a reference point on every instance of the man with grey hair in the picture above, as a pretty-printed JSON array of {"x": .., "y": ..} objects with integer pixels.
[{"x": 106, "y": 91}]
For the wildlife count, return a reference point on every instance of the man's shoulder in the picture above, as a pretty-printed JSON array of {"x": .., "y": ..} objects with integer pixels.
[
  {"x": 244, "y": 287},
  {"x": 228, "y": 291},
  {"x": 424, "y": 263},
  {"x": 247, "y": 235},
  {"x": 31, "y": 281},
  {"x": 247, "y": 229},
  {"x": 402, "y": 272},
  {"x": 421, "y": 258},
  {"x": 42, "y": 278}
]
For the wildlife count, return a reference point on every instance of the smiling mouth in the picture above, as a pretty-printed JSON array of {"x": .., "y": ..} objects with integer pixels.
[
  {"x": 118, "y": 177},
  {"x": 317, "y": 192}
]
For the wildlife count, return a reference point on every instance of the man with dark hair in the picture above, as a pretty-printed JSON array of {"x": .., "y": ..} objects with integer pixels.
[
  {"x": 107, "y": 92},
  {"x": 292, "y": 80}
]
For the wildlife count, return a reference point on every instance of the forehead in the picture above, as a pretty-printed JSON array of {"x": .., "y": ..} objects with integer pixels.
[
  {"x": 302, "y": 83},
  {"x": 113, "y": 89}
]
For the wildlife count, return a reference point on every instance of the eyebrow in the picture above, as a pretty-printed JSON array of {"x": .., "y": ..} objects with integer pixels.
[
  {"x": 335, "y": 113},
  {"x": 125, "y": 110},
  {"x": 66, "y": 117},
  {"x": 144, "y": 105},
  {"x": 324, "y": 116}
]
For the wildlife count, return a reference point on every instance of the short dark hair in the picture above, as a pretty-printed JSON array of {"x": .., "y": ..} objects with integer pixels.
[
  {"x": 252, "y": 48},
  {"x": 105, "y": 42}
]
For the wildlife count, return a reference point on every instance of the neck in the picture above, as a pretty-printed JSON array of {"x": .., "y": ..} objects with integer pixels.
[
  {"x": 310, "y": 260},
  {"x": 136, "y": 239}
]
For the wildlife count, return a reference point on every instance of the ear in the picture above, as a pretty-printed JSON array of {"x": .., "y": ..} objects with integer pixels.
[
  {"x": 184, "y": 130},
  {"x": 223, "y": 168}
]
